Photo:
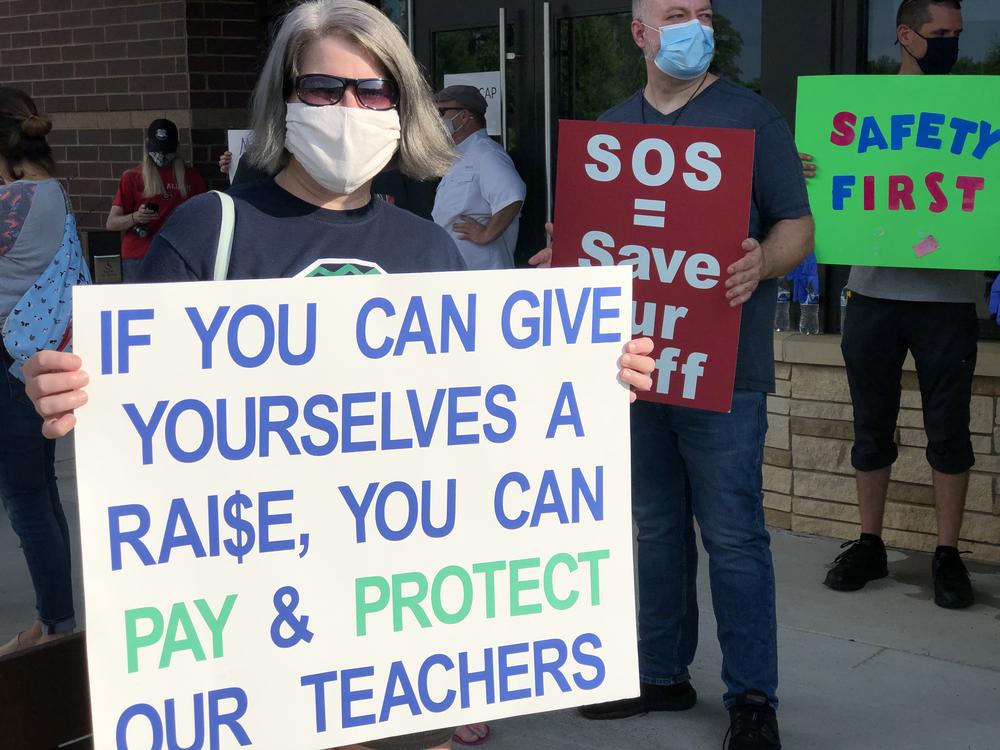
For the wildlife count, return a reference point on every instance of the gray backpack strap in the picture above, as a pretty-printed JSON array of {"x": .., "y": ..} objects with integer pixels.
[{"x": 226, "y": 228}]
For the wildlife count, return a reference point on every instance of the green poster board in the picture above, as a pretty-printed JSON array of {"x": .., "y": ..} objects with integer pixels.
[{"x": 908, "y": 169}]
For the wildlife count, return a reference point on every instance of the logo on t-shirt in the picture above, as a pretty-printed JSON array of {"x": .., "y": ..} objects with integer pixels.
[{"x": 341, "y": 267}]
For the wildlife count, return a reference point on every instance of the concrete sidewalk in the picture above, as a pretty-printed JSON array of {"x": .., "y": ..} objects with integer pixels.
[{"x": 879, "y": 669}]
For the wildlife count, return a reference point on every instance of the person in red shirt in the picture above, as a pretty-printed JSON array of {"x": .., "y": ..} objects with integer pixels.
[{"x": 149, "y": 192}]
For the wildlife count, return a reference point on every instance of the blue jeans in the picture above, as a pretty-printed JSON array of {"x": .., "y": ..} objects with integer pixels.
[
  {"x": 689, "y": 464},
  {"x": 31, "y": 498},
  {"x": 130, "y": 270}
]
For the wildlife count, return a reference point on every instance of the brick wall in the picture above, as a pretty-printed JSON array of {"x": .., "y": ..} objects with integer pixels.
[
  {"x": 225, "y": 43},
  {"x": 808, "y": 478},
  {"x": 103, "y": 69}
]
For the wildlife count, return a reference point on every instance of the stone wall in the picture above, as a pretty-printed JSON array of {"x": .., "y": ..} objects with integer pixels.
[{"x": 808, "y": 478}]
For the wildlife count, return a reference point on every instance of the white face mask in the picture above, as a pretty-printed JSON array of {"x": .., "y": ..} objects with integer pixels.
[
  {"x": 341, "y": 148},
  {"x": 449, "y": 123}
]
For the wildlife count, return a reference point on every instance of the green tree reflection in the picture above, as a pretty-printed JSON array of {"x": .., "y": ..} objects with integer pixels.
[
  {"x": 600, "y": 65},
  {"x": 988, "y": 65}
]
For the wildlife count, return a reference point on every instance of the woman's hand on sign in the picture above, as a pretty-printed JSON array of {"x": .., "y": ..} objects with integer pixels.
[
  {"x": 225, "y": 161},
  {"x": 54, "y": 382},
  {"x": 745, "y": 274},
  {"x": 635, "y": 366},
  {"x": 808, "y": 165},
  {"x": 543, "y": 258}
]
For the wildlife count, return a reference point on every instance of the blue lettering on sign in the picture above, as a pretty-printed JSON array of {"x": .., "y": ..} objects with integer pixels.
[
  {"x": 929, "y": 130},
  {"x": 900, "y": 128},
  {"x": 251, "y": 317},
  {"x": 416, "y": 328},
  {"x": 528, "y": 320},
  {"x": 352, "y": 421},
  {"x": 398, "y": 679},
  {"x": 205, "y": 532},
  {"x": 435, "y": 706},
  {"x": 566, "y": 400},
  {"x": 506, "y": 671},
  {"x": 963, "y": 129},
  {"x": 980, "y": 135},
  {"x": 871, "y": 136},
  {"x": 502, "y": 673},
  {"x": 549, "y": 498},
  {"x": 361, "y": 422},
  {"x": 348, "y": 696},
  {"x": 126, "y": 339},
  {"x": 380, "y": 495},
  {"x": 843, "y": 188},
  {"x": 210, "y": 719}
]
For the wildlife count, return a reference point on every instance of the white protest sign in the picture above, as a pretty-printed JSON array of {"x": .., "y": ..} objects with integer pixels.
[
  {"x": 488, "y": 84},
  {"x": 239, "y": 140},
  {"x": 316, "y": 512}
]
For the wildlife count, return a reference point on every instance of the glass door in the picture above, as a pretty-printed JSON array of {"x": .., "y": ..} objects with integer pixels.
[
  {"x": 491, "y": 45},
  {"x": 562, "y": 59},
  {"x": 595, "y": 63}
]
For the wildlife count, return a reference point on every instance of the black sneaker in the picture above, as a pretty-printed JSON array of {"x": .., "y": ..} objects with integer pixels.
[
  {"x": 678, "y": 697},
  {"x": 952, "y": 587},
  {"x": 863, "y": 561},
  {"x": 752, "y": 724}
]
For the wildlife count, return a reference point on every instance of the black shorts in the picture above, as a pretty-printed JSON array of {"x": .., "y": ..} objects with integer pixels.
[{"x": 943, "y": 338}]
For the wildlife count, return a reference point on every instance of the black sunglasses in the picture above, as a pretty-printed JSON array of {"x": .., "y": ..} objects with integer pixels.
[{"x": 319, "y": 90}]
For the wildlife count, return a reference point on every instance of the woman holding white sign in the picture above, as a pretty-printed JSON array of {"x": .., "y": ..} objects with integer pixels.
[{"x": 339, "y": 98}]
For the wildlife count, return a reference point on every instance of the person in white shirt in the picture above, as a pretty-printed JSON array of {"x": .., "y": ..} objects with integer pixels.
[{"x": 479, "y": 200}]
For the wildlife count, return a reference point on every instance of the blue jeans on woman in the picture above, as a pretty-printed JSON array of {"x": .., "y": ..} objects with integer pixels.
[
  {"x": 31, "y": 498},
  {"x": 130, "y": 270},
  {"x": 691, "y": 465}
]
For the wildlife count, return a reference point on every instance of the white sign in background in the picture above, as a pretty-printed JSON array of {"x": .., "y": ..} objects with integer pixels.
[
  {"x": 488, "y": 84},
  {"x": 200, "y": 568},
  {"x": 239, "y": 140}
]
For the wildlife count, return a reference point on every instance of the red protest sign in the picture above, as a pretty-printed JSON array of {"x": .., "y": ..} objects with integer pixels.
[{"x": 673, "y": 203}]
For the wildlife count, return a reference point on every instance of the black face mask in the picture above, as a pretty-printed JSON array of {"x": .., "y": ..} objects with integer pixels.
[{"x": 942, "y": 54}]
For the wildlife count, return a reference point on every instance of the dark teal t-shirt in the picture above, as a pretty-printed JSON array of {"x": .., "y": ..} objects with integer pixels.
[
  {"x": 278, "y": 236},
  {"x": 779, "y": 193}
]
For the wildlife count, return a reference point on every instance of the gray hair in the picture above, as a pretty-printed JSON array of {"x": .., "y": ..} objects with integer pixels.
[{"x": 425, "y": 150}]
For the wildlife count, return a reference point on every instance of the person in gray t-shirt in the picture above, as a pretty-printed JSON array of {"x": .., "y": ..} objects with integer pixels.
[{"x": 930, "y": 313}]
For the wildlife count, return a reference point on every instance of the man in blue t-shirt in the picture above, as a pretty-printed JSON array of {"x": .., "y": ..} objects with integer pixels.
[{"x": 687, "y": 463}]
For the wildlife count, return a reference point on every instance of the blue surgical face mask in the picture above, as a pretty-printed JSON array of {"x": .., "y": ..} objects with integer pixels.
[{"x": 686, "y": 49}]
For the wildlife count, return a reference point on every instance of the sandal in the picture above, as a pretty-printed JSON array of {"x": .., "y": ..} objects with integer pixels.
[
  {"x": 13, "y": 645},
  {"x": 459, "y": 740}
]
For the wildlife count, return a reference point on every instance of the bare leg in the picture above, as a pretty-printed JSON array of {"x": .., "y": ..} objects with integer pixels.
[
  {"x": 949, "y": 503},
  {"x": 872, "y": 488}
]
